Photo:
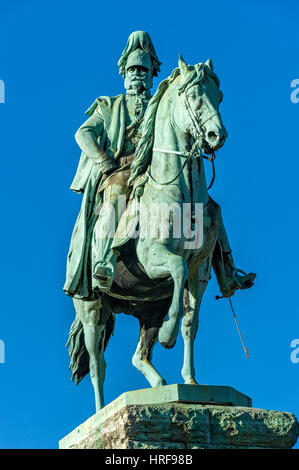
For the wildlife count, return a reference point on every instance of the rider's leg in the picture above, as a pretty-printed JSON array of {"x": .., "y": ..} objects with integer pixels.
[
  {"x": 229, "y": 277},
  {"x": 104, "y": 231}
]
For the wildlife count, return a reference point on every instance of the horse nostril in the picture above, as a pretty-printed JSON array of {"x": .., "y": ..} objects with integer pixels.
[{"x": 213, "y": 136}]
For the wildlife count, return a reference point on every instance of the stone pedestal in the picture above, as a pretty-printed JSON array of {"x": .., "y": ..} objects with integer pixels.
[{"x": 184, "y": 417}]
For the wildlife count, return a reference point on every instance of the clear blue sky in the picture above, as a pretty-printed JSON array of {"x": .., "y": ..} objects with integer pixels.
[{"x": 55, "y": 59}]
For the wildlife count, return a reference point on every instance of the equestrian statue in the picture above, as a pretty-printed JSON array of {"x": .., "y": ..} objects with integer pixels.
[{"x": 138, "y": 152}]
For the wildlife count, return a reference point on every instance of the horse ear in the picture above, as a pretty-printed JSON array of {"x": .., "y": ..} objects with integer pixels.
[
  {"x": 209, "y": 63},
  {"x": 183, "y": 66}
]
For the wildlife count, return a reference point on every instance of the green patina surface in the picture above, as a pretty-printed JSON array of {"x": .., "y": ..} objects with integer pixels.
[{"x": 148, "y": 151}]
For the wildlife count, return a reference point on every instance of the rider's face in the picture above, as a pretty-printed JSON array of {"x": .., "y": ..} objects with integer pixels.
[{"x": 138, "y": 78}]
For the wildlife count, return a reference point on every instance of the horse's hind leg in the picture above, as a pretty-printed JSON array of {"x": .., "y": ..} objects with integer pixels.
[
  {"x": 192, "y": 299},
  {"x": 94, "y": 336},
  {"x": 149, "y": 327}
]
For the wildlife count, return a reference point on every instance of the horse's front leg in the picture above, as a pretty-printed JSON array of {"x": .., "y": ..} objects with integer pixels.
[
  {"x": 192, "y": 299},
  {"x": 94, "y": 336},
  {"x": 162, "y": 262}
]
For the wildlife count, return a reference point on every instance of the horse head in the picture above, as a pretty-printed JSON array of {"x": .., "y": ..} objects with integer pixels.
[
  {"x": 198, "y": 105},
  {"x": 185, "y": 103}
]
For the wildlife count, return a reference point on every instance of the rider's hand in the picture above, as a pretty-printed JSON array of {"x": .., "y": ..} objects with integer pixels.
[
  {"x": 136, "y": 170},
  {"x": 108, "y": 165}
]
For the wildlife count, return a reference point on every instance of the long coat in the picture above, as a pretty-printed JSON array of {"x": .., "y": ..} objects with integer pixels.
[
  {"x": 106, "y": 121},
  {"x": 107, "y": 118}
]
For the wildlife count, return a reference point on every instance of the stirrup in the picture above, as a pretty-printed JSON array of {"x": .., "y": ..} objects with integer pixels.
[
  {"x": 238, "y": 282},
  {"x": 103, "y": 272}
]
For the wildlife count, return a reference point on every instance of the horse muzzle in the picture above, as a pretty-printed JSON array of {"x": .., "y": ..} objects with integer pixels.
[{"x": 215, "y": 137}]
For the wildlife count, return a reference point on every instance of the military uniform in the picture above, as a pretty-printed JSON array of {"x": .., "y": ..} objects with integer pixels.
[
  {"x": 106, "y": 127},
  {"x": 108, "y": 140}
]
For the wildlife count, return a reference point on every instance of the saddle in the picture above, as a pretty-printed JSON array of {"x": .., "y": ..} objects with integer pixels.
[{"x": 130, "y": 217}]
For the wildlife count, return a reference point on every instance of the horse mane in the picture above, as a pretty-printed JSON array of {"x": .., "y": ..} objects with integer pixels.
[
  {"x": 143, "y": 151},
  {"x": 198, "y": 73},
  {"x": 146, "y": 142}
]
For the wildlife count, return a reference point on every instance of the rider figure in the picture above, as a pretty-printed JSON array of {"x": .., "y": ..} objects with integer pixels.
[{"x": 108, "y": 140}]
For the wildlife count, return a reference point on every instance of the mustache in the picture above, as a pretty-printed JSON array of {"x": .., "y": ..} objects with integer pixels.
[
  {"x": 137, "y": 80},
  {"x": 138, "y": 77}
]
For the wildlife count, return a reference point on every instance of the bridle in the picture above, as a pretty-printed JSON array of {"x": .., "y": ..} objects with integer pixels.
[{"x": 198, "y": 142}]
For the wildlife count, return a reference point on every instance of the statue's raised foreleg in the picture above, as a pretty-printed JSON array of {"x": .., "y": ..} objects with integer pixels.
[
  {"x": 149, "y": 327},
  {"x": 163, "y": 262},
  {"x": 88, "y": 312},
  {"x": 192, "y": 299}
]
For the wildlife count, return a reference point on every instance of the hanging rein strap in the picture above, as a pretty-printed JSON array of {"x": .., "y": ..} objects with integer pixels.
[
  {"x": 187, "y": 155},
  {"x": 211, "y": 159}
]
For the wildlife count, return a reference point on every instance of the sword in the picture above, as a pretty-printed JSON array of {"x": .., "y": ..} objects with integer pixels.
[{"x": 243, "y": 344}]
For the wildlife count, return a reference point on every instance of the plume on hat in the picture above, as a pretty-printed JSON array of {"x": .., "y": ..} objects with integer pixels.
[{"x": 139, "y": 40}]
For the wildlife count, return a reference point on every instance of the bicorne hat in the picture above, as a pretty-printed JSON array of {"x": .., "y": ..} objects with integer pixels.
[{"x": 139, "y": 51}]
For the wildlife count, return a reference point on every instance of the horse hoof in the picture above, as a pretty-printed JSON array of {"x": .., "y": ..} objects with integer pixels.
[
  {"x": 168, "y": 334},
  {"x": 166, "y": 340},
  {"x": 191, "y": 381},
  {"x": 160, "y": 383},
  {"x": 167, "y": 345}
]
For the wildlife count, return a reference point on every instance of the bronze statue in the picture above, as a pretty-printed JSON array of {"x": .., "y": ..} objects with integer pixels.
[{"x": 146, "y": 150}]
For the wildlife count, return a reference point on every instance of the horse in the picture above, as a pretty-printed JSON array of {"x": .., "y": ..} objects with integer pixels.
[{"x": 160, "y": 280}]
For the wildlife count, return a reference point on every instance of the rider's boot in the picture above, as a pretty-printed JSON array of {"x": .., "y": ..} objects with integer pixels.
[
  {"x": 228, "y": 276},
  {"x": 104, "y": 231}
]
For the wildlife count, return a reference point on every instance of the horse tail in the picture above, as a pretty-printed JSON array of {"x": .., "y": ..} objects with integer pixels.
[
  {"x": 78, "y": 354},
  {"x": 79, "y": 358}
]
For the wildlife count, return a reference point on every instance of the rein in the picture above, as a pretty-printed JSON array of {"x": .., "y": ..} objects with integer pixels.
[{"x": 188, "y": 156}]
